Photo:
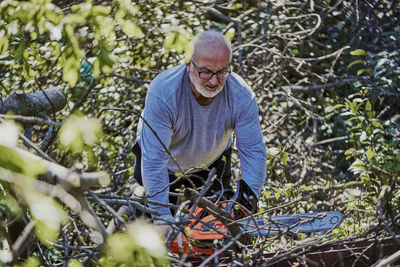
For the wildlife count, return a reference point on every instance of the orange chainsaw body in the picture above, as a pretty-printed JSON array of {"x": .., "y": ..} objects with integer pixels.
[{"x": 204, "y": 231}]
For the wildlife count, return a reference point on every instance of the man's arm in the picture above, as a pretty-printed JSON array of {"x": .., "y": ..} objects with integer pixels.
[
  {"x": 251, "y": 147},
  {"x": 154, "y": 156}
]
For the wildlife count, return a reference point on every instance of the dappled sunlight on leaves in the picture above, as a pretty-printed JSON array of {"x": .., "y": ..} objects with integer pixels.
[
  {"x": 179, "y": 40},
  {"x": 30, "y": 262},
  {"x": 9, "y": 134},
  {"x": 78, "y": 131},
  {"x": 147, "y": 237},
  {"x": 141, "y": 244},
  {"x": 14, "y": 161},
  {"x": 46, "y": 209}
]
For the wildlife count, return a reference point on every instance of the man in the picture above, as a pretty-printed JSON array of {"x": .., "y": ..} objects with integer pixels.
[{"x": 190, "y": 114}]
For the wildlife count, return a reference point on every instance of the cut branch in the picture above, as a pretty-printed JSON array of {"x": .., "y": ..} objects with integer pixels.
[
  {"x": 37, "y": 104},
  {"x": 68, "y": 177}
]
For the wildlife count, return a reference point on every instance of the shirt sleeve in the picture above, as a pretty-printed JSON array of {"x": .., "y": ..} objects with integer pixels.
[
  {"x": 156, "y": 132},
  {"x": 251, "y": 147}
]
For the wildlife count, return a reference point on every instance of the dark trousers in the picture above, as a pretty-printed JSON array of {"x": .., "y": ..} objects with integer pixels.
[{"x": 220, "y": 185}]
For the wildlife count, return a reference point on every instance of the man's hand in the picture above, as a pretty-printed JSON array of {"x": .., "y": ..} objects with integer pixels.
[
  {"x": 164, "y": 223},
  {"x": 137, "y": 190}
]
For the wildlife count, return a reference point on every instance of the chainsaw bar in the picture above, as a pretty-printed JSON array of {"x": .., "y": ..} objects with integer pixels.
[{"x": 292, "y": 223}]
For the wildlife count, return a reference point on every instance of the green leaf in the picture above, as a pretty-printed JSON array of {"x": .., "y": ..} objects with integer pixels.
[
  {"x": 132, "y": 29},
  {"x": 277, "y": 195},
  {"x": 9, "y": 133},
  {"x": 361, "y": 71},
  {"x": 98, "y": 10},
  {"x": 47, "y": 214},
  {"x": 397, "y": 168},
  {"x": 12, "y": 160},
  {"x": 78, "y": 131},
  {"x": 223, "y": 158},
  {"x": 106, "y": 61},
  {"x": 370, "y": 154},
  {"x": 376, "y": 124},
  {"x": 47, "y": 235},
  {"x": 3, "y": 45},
  {"x": 120, "y": 247},
  {"x": 96, "y": 68},
  {"x": 178, "y": 174},
  {"x": 31, "y": 262},
  {"x": 350, "y": 183},
  {"x": 355, "y": 62},
  {"x": 267, "y": 194},
  {"x": 366, "y": 180},
  {"x": 336, "y": 107},
  {"x": 358, "y": 52},
  {"x": 237, "y": 6},
  {"x": 6, "y": 200},
  {"x": 74, "y": 263},
  {"x": 71, "y": 71},
  {"x": 180, "y": 41},
  {"x": 368, "y": 106},
  {"x": 75, "y": 19},
  {"x": 230, "y": 34},
  {"x": 285, "y": 158},
  {"x": 53, "y": 17},
  {"x": 357, "y": 163}
]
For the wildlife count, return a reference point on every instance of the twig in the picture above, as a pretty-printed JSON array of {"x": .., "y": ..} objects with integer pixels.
[
  {"x": 23, "y": 240},
  {"x": 30, "y": 119},
  {"x": 389, "y": 260},
  {"x": 131, "y": 79},
  {"x": 38, "y": 150},
  {"x": 89, "y": 217},
  {"x": 107, "y": 207},
  {"x": 219, "y": 251}
]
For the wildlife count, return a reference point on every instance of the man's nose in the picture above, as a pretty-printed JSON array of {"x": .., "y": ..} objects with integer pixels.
[{"x": 214, "y": 79}]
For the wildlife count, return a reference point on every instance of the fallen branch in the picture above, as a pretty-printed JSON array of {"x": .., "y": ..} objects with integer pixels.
[
  {"x": 68, "y": 178},
  {"x": 38, "y": 104}
]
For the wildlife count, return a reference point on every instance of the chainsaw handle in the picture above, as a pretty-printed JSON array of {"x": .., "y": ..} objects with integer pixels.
[{"x": 245, "y": 196}]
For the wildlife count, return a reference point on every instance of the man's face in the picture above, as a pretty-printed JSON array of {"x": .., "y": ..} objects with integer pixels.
[{"x": 212, "y": 57}]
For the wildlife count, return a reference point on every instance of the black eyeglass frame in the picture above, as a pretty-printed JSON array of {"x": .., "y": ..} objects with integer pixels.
[{"x": 212, "y": 73}]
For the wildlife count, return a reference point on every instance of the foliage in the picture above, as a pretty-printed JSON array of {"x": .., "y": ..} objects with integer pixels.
[
  {"x": 21, "y": 172},
  {"x": 374, "y": 143},
  {"x": 141, "y": 244},
  {"x": 79, "y": 135}
]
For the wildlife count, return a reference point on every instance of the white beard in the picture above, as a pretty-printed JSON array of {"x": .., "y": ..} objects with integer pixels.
[{"x": 202, "y": 88}]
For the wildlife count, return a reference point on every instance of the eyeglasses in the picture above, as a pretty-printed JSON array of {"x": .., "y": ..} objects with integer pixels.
[{"x": 207, "y": 75}]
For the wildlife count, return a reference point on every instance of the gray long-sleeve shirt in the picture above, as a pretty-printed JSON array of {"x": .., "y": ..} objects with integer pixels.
[{"x": 196, "y": 134}]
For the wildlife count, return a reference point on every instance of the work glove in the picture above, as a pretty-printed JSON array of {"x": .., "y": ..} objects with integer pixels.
[
  {"x": 243, "y": 203},
  {"x": 137, "y": 190}
]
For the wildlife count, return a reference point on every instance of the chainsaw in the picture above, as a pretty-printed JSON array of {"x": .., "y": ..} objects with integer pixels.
[{"x": 204, "y": 231}]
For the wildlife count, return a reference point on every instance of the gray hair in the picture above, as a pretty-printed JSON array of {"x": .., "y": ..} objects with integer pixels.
[{"x": 211, "y": 35}]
